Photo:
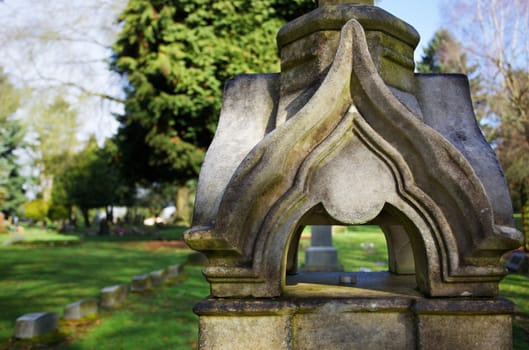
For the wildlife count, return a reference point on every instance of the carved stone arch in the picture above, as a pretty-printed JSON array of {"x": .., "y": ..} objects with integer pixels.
[
  {"x": 392, "y": 194},
  {"x": 347, "y": 134},
  {"x": 352, "y": 125}
]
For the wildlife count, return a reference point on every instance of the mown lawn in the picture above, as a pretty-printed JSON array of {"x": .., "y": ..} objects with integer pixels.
[
  {"x": 48, "y": 273},
  {"x": 45, "y": 276}
]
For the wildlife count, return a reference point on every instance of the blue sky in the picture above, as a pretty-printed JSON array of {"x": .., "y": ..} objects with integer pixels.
[{"x": 423, "y": 15}]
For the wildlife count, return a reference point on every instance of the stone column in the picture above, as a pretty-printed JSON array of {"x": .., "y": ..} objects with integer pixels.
[{"x": 321, "y": 255}]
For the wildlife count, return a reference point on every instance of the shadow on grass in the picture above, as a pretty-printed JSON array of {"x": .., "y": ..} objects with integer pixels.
[
  {"x": 47, "y": 278},
  {"x": 159, "y": 320}
]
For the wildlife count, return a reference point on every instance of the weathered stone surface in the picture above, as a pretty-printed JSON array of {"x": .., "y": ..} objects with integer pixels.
[
  {"x": 113, "y": 296},
  {"x": 174, "y": 270},
  {"x": 347, "y": 134},
  {"x": 158, "y": 277},
  {"x": 141, "y": 283},
  {"x": 248, "y": 332},
  {"x": 429, "y": 195},
  {"x": 35, "y": 324},
  {"x": 464, "y": 324},
  {"x": 228, "y": 149},
  {"x": 465, "y": 332},
  {"x": 80, "y": 309},
  {"x": 383, "y": 322}
]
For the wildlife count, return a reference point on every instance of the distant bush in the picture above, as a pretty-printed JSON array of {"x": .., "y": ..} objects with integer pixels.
[
  {"x": 36, "y": 210},
  {"x": 58, "y": 212}
]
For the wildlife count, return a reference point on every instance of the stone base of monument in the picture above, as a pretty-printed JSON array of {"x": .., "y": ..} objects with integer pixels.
[{"x": 316, "y": 316}]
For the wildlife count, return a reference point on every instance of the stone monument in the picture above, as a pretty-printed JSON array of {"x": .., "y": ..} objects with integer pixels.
[
  {"x": 321, "y": 255},
  {"x": 348, "y": 134}
]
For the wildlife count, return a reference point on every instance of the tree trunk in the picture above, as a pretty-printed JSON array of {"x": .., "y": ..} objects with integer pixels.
[
  {"x": 85, "y": 218},
  {"x": 110, "y": 213}
]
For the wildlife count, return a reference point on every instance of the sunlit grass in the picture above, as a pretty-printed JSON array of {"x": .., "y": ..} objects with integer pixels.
[
  {"x": 44, "y": 277},
  {"x": 162, "y": 319},
  {"x": 36, "y": 234}
]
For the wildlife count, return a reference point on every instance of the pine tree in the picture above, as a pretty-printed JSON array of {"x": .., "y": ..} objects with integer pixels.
[
  {"x": 12, "y": 135},
  {"x": 176, "y": 56}
]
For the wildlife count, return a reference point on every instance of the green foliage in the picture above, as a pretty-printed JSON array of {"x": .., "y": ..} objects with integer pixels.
[
  {"x": 156, "y": 197},
  {"x": 58, "y": 212},
  {"x": 176, "y": 56},
  {"x": 12, "y": 135},
  {"x": 55, "y": 125},
  {"x": 90, "y": 181},
  {"x": 36, "y": 209}
]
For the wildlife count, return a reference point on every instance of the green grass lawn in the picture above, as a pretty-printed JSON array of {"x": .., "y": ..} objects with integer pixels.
[{"x": 48, "y": 271}]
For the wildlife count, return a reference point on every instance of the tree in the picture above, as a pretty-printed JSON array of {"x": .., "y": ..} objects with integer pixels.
[
  {"x": 12, "y": 135},
  {"x": 92, "y": 180},
  {"x": 55, "y": 126},
  {"x": 513, "y": 146},
  {"x": 36, "y": 210},
  {"x": 176, "y": 56},
  {"x": 62, "y": 47}
]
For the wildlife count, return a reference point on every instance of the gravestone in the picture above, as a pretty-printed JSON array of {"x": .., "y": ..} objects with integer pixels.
[
  {"x": 141, "y": 283},
  {"x": 158, "y": 277},
  {"x": 321, "y": 255},
  {"x": 173, "y": 273},
  {"x": 35, "y": 324},
  {"x": 113, "y": 296},
  {"x": 80, "y": 309},
  {"x": 348, "y": 134}
]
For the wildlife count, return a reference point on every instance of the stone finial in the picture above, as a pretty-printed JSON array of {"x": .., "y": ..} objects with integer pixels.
[{"x": 340, "y": 2}]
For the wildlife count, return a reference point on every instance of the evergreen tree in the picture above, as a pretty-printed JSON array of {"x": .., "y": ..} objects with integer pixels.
[
  {"x": 176, "y": 56},
  {"x": 12, "y": 135}
]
